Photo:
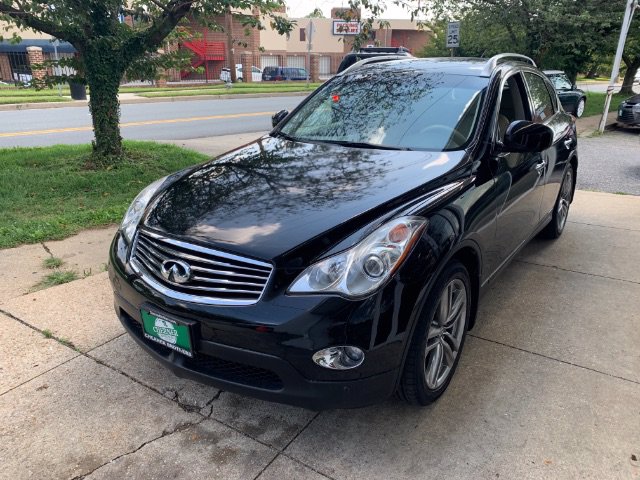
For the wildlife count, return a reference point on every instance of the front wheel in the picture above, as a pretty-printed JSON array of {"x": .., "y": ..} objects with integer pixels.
[
  {"x": 580, "y": 107},
  {"x": 561, "y": 209},
  {"x": 438, "y": 337}
]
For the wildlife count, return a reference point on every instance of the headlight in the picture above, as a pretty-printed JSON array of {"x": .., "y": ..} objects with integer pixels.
[
  {"x": 136, "y": 209},
  {"x": 636, "y": 108},
  {"x": 367, "y": 265}
]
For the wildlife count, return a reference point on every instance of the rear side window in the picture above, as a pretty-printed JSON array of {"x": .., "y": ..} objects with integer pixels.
[{"x": 540, "y": 98}]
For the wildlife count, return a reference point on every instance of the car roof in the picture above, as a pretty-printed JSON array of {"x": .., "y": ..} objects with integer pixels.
[{"x": 477, "y": 67}]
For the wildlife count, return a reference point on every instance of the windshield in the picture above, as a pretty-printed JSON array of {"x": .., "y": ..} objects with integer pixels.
[
  {"x": 400, "y": 107},
  {"x": 560, "y": 82}
]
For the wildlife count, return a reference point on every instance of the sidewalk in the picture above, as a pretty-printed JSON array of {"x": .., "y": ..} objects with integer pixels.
[
  {"x": 548, "y": 386},
  {"x": 129, "y": 98}
]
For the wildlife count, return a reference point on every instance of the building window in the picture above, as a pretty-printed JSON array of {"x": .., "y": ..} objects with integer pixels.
[{"x": 303, "y": 34}]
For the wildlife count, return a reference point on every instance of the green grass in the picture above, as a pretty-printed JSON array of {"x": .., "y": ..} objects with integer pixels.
[
  {"x": 4, "y": 100},
  {"x": 235, "y": 90},
  {"x": 31, "y": 95},
  {"x": 56, "y": 278},
  {"x": 595, "y": 103},
  {"x": 582, "y": 78},
  {"x": 52, "y": 262},
  {"x": 48, "y": 193}
]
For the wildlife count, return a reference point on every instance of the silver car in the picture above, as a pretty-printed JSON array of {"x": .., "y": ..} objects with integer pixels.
[{"x": 629, "y": 111}]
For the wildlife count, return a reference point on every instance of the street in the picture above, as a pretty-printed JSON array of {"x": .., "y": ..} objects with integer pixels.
[{"x": 146, "y": 121}]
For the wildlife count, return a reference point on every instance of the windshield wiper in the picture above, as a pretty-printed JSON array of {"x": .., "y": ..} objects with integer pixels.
[
  {"x": 286, "y": 136},
  {"x": 376, "y": 146}
]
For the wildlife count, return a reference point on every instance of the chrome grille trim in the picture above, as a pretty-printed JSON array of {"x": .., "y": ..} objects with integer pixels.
[{"x": 219, "y": 278}]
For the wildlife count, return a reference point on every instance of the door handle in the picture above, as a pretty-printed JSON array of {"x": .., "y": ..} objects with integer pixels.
[
  {"x": 540, "y": 166},
  {"x": 568, "y": 143}
]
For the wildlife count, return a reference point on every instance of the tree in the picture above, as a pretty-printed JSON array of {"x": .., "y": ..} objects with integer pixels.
[
  {"x": 109, "y": 48},
  {"x": 631, "y": 57},
  {"x": 564, "y": 34},
  {"x": 316, "y": 13}
]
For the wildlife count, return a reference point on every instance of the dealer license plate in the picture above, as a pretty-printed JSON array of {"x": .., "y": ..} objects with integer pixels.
[{"x": 167, "y": 332}]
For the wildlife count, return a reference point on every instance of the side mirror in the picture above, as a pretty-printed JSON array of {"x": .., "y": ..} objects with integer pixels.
[
  {"x": 278, "y": 117},
  {"x": 525, "y": 136}
]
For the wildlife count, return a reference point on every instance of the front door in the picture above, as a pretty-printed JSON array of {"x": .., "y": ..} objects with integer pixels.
[{"x": 519, "y": 176}]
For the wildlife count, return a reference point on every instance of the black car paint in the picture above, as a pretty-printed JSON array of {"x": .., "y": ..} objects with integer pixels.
[
  {"x": 626, "y": 113},
  {"x": 480, "y": 210}
]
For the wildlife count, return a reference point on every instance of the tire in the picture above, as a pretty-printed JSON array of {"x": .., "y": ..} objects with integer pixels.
[
  {"x": 423, "y": 378},
  {"x": 560, "y": 214},
  {"x": 580, "y": 107}
]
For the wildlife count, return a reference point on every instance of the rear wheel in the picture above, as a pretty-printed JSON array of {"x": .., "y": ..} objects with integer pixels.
[
  {"x": 561, "y": 209},
  {"x": 580, "y": 107},
  {"x": 438, "y": 338}
]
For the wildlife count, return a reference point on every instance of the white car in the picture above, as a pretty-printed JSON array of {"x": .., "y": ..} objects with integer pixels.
[{"x": 256, "y": 74}]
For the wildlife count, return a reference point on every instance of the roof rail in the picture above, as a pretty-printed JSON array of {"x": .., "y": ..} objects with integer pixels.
[
  {"x": 367, "y": 61},
  {"x": 496, "y": 60}
]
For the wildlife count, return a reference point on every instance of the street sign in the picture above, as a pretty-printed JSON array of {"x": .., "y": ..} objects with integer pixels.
[
  {"x": 342, "y": 27},
  {"x": 453, "y": 35}
]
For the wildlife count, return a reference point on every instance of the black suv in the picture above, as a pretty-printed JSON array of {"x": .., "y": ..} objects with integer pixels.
[
  {"x": 370, "y": 52},
  {"x": 341, "y": 258}
]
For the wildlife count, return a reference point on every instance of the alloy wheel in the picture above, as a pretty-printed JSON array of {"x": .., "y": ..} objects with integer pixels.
[
  {"x": 580, "y": 108},
  {"x": 445, "y": 333},
  {"x": 565, "y": 199}
]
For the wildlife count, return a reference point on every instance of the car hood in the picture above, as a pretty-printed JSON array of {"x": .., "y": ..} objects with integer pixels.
[
  {"x": 271, "y": 196},
  {"x": 632, "y": 100}
]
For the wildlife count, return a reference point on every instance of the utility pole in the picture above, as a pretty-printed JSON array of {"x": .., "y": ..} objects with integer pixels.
[
  {"x": 309, "y": 47},
  {"x": 230, "y": 56},
  {"x": 626, "y": 22}
]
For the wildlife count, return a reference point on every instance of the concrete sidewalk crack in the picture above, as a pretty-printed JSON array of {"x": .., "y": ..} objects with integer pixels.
[
  {"x": 46, "y": 249},
  {"x": 566, "y": 362},
  {"x": 165, "y": 433},
  {"x": 604, "y": 226},
  {"x": 576, "y": 271}
]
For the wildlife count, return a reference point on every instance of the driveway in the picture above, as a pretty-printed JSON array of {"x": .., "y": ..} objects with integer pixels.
[{"x": 548, "y": 385}]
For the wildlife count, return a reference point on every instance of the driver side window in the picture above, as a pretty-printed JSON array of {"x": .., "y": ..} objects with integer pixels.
[{"x": 514, "y": 105}]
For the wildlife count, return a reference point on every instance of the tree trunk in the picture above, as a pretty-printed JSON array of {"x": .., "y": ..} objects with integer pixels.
[
  {"x": 630, "y": 75},
  {"x": 103, "y": 77},
  {"x": 230, "y": 55}
]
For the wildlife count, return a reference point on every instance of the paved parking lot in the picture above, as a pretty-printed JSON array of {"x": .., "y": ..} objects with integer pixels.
[{"x": 548, "y": 386}]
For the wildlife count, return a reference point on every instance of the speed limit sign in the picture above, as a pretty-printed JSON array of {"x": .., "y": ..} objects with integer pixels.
[{"x": 453, "y": 35}]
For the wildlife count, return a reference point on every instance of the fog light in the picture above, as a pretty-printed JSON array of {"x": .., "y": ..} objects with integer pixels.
[{"x": 339, "y": 358}]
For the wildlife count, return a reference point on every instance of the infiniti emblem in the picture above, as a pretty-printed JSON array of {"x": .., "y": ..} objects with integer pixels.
[{"x": 176, "y": 271}]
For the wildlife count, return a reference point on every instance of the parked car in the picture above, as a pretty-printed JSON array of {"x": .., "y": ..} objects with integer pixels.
[
  {"x": 270, "y": 74},
  {"x": 256, "y": 74},
  {"x": 341, "y": 258},
  {"x": 572, "y": 98},
  {"x": 629, "y": 111},
  {"x": 369, "y": 52}
]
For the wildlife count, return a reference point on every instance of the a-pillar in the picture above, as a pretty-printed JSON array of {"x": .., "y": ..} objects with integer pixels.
[
  {"x": 247, "y": 64},
  {"x": 315, "y": 67},
  {"x": 36, "y": 58}
]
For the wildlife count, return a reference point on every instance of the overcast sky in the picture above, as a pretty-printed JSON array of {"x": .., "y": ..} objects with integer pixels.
[{"x": 300, "y": 8}]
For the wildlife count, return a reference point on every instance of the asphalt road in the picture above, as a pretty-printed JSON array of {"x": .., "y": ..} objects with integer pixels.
[
  {"x": 610, "y": 163},
  {"x": 146, "y": 121}
]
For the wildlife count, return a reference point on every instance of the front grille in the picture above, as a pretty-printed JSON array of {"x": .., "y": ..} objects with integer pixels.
[
  {"x": 627, "y": 116},
  {"x": 214, "y": 366},
  {"x": 217, "y": 278}
]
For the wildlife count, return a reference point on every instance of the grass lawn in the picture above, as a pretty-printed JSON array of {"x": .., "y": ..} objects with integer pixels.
[
  {"x": 237, "y": 89},
  {"x": 47, "y": 193},
  {"x": 595, "y": 103},
  {"x": 31, "y": 95}
]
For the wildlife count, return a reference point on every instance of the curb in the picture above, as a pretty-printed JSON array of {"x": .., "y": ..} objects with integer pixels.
[{"x": 131, "y": 101}]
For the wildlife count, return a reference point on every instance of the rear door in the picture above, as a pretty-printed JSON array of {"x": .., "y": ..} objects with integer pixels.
[
  {"x": 546, "y": 111},
  {"x": 519, "y": 176}
]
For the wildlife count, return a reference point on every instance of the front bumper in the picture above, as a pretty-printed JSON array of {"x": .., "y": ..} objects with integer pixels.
[
  {"x": 265, "y": 350},
  {"x": 262, "y": 376}
]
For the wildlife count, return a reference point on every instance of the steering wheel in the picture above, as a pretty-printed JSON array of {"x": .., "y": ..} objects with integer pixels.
[{"x": 451, "y": 134}]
